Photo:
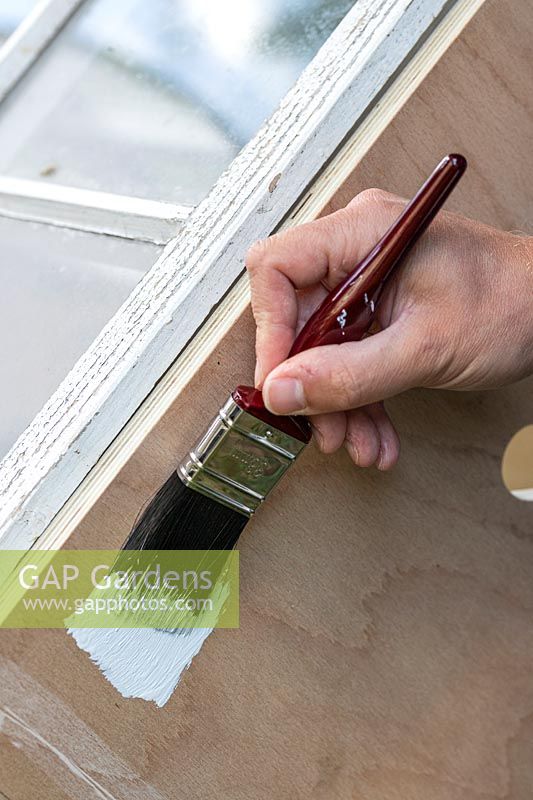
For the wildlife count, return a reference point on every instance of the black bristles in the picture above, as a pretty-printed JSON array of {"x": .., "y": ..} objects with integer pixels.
[{"x": 178, "y": 518}]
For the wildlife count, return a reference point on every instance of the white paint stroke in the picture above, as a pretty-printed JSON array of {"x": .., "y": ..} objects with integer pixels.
[
  {"x": 146, "y": 663},
  {"x": 142, "y": 662}
]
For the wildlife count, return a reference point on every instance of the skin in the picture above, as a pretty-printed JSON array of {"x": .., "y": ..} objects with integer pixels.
[{"x": 458, "y": 315}]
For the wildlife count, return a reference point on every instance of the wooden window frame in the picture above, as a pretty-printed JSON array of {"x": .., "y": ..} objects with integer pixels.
[
  {"x": 32, "y": 36},
  {"x": 96, "y": 212},
  {"x": 360, "y": 78}
]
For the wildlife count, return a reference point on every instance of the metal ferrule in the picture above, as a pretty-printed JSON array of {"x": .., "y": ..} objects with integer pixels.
[{"x": 239, "y": 459}]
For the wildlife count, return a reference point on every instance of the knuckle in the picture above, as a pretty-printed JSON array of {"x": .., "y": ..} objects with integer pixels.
[
  {"x": 257, "y": 255},
  {"x": 376, "y": 200},
  {"x": 374, "y": 195},
  {"x": 371, "y": 197}
]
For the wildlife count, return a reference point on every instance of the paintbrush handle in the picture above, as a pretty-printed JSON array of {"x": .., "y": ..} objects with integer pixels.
[{"x": 348, "y": 311}]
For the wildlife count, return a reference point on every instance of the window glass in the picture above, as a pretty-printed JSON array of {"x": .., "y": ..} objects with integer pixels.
[
  {"x": 154, "y": 99},
  {"x": 59, "y": 288},
  {"x": 12, "y": 12}
]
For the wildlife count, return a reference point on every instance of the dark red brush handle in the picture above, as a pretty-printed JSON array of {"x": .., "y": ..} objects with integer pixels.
[{"x": 348, "y": 311}]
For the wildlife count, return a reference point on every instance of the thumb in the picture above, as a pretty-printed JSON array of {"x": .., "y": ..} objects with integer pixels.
[{"x": 345, "y": 376}]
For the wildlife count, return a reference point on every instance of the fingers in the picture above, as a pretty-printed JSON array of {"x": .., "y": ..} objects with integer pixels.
[
  {"x": 329, "y": 431},
  {"x": 367, "y": 434},
  {"x": 351, "y": 375},
  {"x": 389, "y": 441},
  {"x": 321, "y": 251},
  {"x": 286, "y": 273},
  {"x": 371, "y": 438},
  {"x": 362, "y": 438}
]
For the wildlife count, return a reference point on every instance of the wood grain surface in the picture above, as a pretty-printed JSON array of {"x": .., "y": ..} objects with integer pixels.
[{"x": 386, "y": 641}]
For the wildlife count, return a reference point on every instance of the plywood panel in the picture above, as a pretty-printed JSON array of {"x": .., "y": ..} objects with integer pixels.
[
  {"x": 386, "y": 640},
  {"x": 477, "y": 101}
]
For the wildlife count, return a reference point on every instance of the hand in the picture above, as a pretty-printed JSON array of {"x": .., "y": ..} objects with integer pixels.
[{"x": 457, "y": 315}]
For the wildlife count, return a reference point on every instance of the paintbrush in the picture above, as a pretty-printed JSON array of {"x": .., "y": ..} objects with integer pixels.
[{"x": 207, "y": 501}]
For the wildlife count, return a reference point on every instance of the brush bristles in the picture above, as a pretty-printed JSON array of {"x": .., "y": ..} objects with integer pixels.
[{"x": 179, "y": 518}]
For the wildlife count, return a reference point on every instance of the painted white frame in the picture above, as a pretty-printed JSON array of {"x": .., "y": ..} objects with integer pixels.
[
  {"x": 86, "y": 210},
  {"x": 338, "y": 90},
  {"x": 31, "y": 37}
]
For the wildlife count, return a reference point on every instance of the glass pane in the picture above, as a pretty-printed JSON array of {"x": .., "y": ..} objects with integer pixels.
[
  {"x": 59, "y": 288},
  {"x": 12, "y": 12},
  {"x": 154, "y": 99}
]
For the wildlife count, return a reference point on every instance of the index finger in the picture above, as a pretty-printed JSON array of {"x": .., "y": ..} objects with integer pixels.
[{"x": 321, "y": 251}]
